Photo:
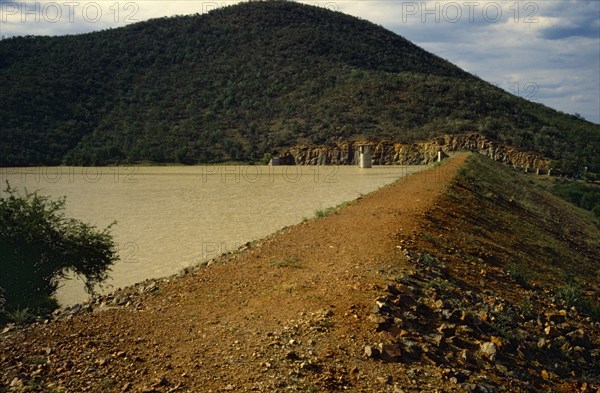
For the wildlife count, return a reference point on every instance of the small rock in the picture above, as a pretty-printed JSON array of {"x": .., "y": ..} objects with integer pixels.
[
  {"x": 75, "y": 309},
  {"x": 452, "y": 315},
  {"x": 381, "y": 302},
  {"x": 380, "y": 320},
  {"x": 551, "y": 331},
  {"x": 372, "y": 352},
  {"x": 150, "y": 287},
  {"x": 497, "y": 341},
  {"x": 229, "y": 387},
  {"x": 291, "y": 355},
  {"x": 464, "y": 330},
  {"x": 541, "y": 343},
  {"x": 162, "y": 381},
  {"x": 438, "y": 340},
  {"x": 489, "y": 350},
  {"x": 462, "y": 343},
  {"x": 467, "y": 357},
  {"x": 390, "y": 353},
  {"x": 555, "y": 318},
  {"x": 447, "y": 329},
  {"x": 411, "y": 348},
  {"x": 407, "y": 301},
  {"x": 387, "y": 380},
  {"x": 16, "y": 383},
  {"x": 459, "y": 376},
  {"x": 423, "y": 310},
  {"x": 485, "y": 317}
]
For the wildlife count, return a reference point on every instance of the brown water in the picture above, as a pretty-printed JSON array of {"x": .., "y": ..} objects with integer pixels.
[{"x": 169, "y": 218}]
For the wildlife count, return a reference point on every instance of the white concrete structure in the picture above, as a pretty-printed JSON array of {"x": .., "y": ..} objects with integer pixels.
[{"x": 364, "y": 158}]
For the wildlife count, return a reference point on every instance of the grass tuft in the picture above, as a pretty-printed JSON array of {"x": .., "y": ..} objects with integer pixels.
[
  {"x": 20, "y": 316},
  {"x": 287, "y": 262},
  {"x": 521, "y": 274},
  {"x": 573, "y": 296}
]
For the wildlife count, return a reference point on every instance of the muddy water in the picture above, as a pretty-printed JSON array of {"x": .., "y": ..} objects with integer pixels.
[{"x": 169, "y": 218}]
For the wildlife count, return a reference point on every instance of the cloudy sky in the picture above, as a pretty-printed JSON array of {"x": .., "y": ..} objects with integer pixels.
[{"x": 546, "y": 51}]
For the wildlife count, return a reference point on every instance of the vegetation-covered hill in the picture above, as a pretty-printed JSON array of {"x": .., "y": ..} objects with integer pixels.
[{"x": 241, "y": 81}]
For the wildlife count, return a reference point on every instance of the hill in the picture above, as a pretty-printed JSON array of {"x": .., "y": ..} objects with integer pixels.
[
  {"x": 241, "y": 81},
  {"x": 466, "y": 277}
]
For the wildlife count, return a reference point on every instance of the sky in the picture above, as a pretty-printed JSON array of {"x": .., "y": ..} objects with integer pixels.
[{"x": 547, "y": 51}]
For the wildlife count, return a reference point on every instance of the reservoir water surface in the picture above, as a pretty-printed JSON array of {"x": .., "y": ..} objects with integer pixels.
[{"x": 173, "y": 217}]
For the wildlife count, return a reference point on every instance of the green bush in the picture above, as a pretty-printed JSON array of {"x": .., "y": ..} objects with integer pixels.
[
  {"x": 573, "y": 296},
  {"x": 39, "y": 246},
  {"x": 521, "y": 274},
  {"x": 586, "y": 196}
]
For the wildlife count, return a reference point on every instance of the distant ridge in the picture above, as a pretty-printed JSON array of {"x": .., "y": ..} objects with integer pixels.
[{"x": 242, "y": 81}]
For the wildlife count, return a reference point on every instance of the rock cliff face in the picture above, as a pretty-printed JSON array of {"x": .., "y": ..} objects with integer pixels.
[{"x": 391, "y": 153}]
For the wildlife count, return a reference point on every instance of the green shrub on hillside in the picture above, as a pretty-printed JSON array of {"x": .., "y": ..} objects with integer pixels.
[{"x": 586, "y": 196}]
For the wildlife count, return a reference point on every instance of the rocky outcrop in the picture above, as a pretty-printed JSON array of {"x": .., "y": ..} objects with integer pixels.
[
  {"x": 480, "y": 339},
  {"x": 417, "y": 153}
]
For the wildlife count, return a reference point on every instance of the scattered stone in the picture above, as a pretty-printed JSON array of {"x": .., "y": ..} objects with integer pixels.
[
  {"x": 464, "y": 330},
  {"x": 497, "y": 341},
  {"x": 150, "y": 287},
  {"x": 16, "y": 383},
  {"x": 463, "y": 343},
  {"x": 438, "y": 340},
  {"x": 459, "y": 376},
  {"x": 467, "y": 357},
  {"x": 162, "y": 381},
  {"x": 447, "y": 329},
  {"x": 390, "y": 353},
  {"x": 541, "y": 344},
  {"x": 452, "y": 315},
  {"x": 372, "y": 352},
  {"x": 551, "y": 331},
  {"x": 380, "y": 320},
  {"x": 489, "y": 350},
  {"x": 291, "y": 355},
  {"x": 555, "y": 317},
  {"x": 410, "y": 348},
  {"x": 75, "y": 309}
]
